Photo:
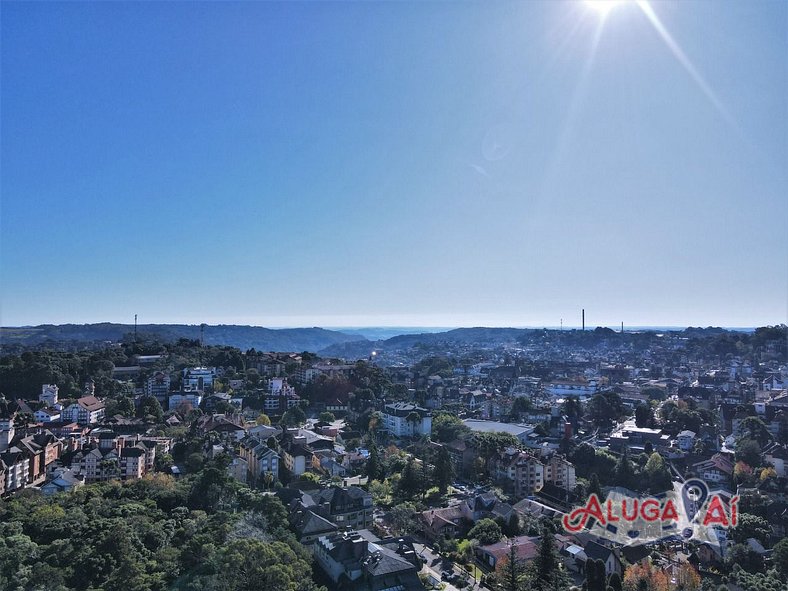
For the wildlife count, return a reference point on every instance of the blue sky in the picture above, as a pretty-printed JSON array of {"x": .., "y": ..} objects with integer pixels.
[{"x": 431, "y": 163}]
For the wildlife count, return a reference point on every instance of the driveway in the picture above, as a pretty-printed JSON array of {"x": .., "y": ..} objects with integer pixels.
[{"x": 434, "y": 566}]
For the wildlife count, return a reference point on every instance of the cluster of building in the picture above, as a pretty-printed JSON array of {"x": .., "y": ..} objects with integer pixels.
[{"x": 69, "y": 445}]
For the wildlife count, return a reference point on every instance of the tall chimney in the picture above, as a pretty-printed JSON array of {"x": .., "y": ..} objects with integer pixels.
[{"x": 584, "y": 318}]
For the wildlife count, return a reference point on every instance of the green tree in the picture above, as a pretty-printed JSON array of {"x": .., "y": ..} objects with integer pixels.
[
  {"x": 657, "y": 474},
  {"x": 749, "y": 452},
  {"x": 448, "y": 427},
  {"x": 625, "y": 471},
  {"x": 754, "y": 428},
  {"x": 511, "y": 573},
  {"x": 595, "y": 576},
  {"x": 294, "y": 417},
  {"x": 644, "y": 416},
  {"x": 487, "y": 531},
  {"x": 408, "y": 483},
  {"x": 751, "y": 526},
  {"x": 780, "y": 557},
  {"x": 402, "y": 518},
  {"x": 374, "y": 467},
  {"x": 548, "y": 574},
  {"x": 444, "y": 470},
  {"x": 326, "y": 417},
  {"x": 593, "y": 486},
  {"x": 150, "y": 407}
]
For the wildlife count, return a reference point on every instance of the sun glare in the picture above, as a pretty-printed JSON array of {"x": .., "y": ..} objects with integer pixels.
[{"x": 603, "y": 6}]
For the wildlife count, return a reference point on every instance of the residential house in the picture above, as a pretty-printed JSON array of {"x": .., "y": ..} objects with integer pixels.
[
  {"x": 63, "y": 480},
  {"x": 686, "y": 440},
  {"x": 346, "y": 507},
  {"x": 446, "y": 522},
  {"x": 718, "y": 468},
  {"x": 226, "y": 426},
  {"x": 486, "y": 506},
  {"x": 596, "y": 551},
  {"x": 309, "y": 526},
  {"x": 777, "y": 456},
  {"x": 526, "y": 548},
  {"x": 355, "y": 562}
]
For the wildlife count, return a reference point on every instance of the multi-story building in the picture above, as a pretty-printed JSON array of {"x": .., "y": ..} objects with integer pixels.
[
  {"x": 296, "y": 455},
  {"x": 560, "y": 472},
  {"x": 346, "y": 507},
  {"x": 7, "y": 430},
  {"x": 132, "y": 462},
  {"x": 260, "y": 458},
  {"x": 48, "y": 394},
  {"x": 158, "y": 385},
  {"x": 191, "y": 398},
  {"x": 198, "y": 378},
  {"x": 42, "y": 450},
  {"x": 519, "y": 471},
  {"x": 46, "y": 415},
  {"x": 17, "y": 469},
  {"x": 85, "y": 411},
  {"x": 280, "y": 396},
  {"x": 3, "y": 470},
  {"x": 403, "y": 419}
]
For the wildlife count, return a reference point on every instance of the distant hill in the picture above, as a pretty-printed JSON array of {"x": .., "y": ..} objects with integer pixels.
[
  {"x": 243, "y": 337},
  {"x": 457, "y": 336}
]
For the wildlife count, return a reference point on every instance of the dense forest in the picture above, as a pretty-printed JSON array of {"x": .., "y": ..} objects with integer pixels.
[{"x": 204, "y": 532}]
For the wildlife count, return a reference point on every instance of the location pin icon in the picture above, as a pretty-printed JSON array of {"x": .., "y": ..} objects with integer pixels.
[{"x": 693, "y": 495}]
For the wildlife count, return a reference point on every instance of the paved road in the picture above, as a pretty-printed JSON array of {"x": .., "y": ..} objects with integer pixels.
[{"x": 435, "y": 566}]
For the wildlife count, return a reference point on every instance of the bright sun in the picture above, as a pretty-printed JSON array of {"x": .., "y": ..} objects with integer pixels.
[{"x": 603, "y": 6}]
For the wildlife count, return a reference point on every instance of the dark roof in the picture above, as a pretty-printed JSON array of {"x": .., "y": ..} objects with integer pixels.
[
  {"x": 307, "y": 522},
  {"x": 596, "y": 551},
  {"x": 635, "y": 554}
]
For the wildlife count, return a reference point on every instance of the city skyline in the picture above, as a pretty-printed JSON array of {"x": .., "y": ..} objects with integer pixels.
[{"x": 428, "y": 164}]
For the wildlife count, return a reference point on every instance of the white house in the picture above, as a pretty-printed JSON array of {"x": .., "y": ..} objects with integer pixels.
[
  {"x": 686, "y": 440},
  {"x": 48, "y": 394},
  {"x": 46, "y": 415}
]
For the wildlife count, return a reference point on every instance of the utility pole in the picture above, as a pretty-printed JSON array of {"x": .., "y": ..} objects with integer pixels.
[{"x": 135, "y": 329}]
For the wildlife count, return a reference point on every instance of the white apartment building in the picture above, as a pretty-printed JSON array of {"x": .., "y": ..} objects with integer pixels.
[{"x": 403, "y": 419}]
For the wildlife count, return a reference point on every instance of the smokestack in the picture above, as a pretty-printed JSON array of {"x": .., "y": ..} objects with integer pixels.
[
  {"x": 622, "y": 328},
  {"x": 584, "y": 318},
  {"x": 135, "y": 328}
]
